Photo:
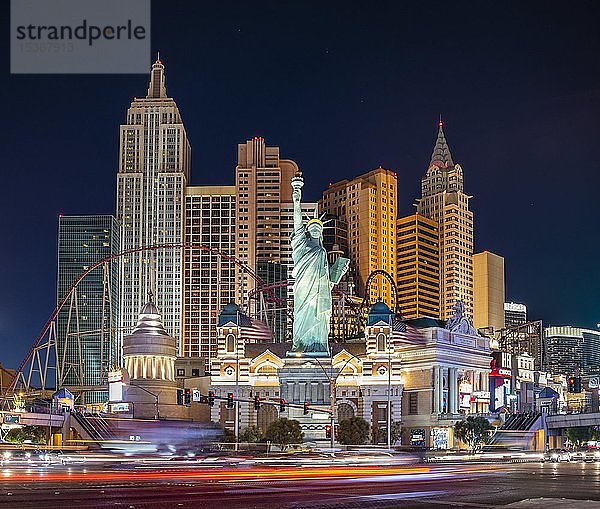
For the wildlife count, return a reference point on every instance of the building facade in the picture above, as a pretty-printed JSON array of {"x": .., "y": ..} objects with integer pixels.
[
  {"x": 444, "y": 200},
  {"x": 572, "y": 351},
  {"x": 368, "y": 204},
  {"x": 488, "y": 290},
  {"x": 87, "y": 338},
  {"x": 209, "y": 280},
  {"x": 515, "y": 314},
  {"x": 154, "y": 169},
  {"x": 417, "y": 258}
]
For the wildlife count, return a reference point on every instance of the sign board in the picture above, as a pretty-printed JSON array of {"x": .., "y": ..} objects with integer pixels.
[
  {"x": 115, "y": 376},
  {"x": 119, "y": 407},
  {"x": 594, "y": 382},
  {"x": 481, "y": 395},
  {"x": 12, "y": 419},
  {"x": 196, "y": 396}
]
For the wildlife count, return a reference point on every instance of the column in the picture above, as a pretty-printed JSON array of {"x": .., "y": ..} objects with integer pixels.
[
  {"x": 453, "y": 390},
  {"x": 441, "y": 390},
  {"x": 436, "y": 394}
]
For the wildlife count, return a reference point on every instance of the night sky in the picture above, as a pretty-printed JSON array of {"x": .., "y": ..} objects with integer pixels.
[{"x": 342, "y": 88}]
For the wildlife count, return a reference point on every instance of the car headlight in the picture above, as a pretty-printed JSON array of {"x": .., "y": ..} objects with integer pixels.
[{"x": 554, "y": 456}]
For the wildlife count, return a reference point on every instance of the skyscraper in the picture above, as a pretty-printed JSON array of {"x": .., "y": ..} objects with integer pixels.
[
  {"x": 444, "y": 201},
  {"x": 154, "y": 169},
  {"x": 209, "y": 279},
  {"x": 87, "y": 340},
  {"x": 368, "y": 205},
  {"x": 488, "y": 290},
  {"x": 572, "y": 350},
  {"x": 264, "y": 214},
  {"x": 417, "y": 257},
  {"x": 514, "y": 314}
]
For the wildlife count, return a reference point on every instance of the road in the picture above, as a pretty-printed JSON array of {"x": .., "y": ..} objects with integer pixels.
[{"x": 137, "y": 485}]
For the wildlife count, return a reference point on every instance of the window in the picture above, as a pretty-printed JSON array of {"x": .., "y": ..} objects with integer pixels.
[
  {"x": 180, "y": 372},
  {"x": 229, "y": 343},
  {"x": 413, "y": 403},
  {"x": 195, "y": 372},
  {"x": 381, "y": 342}
]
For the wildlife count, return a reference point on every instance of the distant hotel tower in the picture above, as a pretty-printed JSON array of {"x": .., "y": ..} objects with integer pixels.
[
  {"x": 417, "y": 257},
  {"x": 83, "y": 241},
  {"x": 264, "y": 215},
  {"x": 443, "y": 200},
  {"x": 154, "y": 168},
  {"x": 209, "y": 279},
  {"x": 367, "y": 205}
]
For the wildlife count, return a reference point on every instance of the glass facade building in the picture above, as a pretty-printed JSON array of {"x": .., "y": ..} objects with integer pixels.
[
  {"x": 87, "y": 340},
  {"x": 572, "y": 351}
]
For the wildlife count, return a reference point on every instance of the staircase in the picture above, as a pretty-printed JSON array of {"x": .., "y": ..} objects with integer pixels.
[
  {"x": 94, "y": 428},
  {"x": 516, "y": 432}
]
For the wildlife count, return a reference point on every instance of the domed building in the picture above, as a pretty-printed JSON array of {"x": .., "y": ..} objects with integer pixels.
[{"x": 149, "y": 355}]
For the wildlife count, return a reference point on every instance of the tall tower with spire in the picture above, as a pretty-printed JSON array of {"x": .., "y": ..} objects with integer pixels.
[
  {"x": 154, "y": 169},
  {"x": 444, "y": 201}
]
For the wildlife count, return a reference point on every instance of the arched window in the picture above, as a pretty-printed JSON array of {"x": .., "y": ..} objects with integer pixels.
[
  {"x": 230, "y": 343},
  {"x": 381, "y": 342},
  {"x": 344, "y": 411}
]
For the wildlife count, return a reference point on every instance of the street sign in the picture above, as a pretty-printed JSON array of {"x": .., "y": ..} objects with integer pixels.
[
  {"x": 12, "y": 419},
  {"x": 594, "y": 382}
]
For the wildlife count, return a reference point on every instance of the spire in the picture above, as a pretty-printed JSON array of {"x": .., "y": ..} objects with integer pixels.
[
  {"x": 157, "y": 86},
  {"x": 441, "y": 153}
]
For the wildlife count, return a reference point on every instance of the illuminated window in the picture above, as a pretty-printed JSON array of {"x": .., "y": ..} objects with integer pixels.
[{"x": 229, "y": 343}]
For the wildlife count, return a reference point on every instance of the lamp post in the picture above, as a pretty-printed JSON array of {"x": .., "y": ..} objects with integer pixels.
[
  {"x": 389, "y": 396},
  {"x": 332, "y": 386},
  {"x": 237, "y": 403}
]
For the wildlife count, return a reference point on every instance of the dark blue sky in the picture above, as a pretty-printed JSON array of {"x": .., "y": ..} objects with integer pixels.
[{"x": 341, "y": 88}]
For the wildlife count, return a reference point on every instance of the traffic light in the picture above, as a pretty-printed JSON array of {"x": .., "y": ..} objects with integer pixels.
[
  {"x": 230, "y": 400},
  {"x": 256, "y": 402},
  {"x": 328, "y": 431},
  {"x": 571, "y": 384},
  {"x": 282, "y": 405},
  {"x": 187, "y": 396},
  {"x": 211, "y": 398},
  {"x": 306, "y": 405},
  {"x": 180, "y": 396},
  {"x": 577, "y": 384}
]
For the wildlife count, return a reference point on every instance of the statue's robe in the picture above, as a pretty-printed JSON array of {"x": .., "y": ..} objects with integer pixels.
[{"x": 312, "y": 293}]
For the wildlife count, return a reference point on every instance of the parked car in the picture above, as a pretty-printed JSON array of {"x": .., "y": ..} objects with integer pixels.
[{"x": 556, "y": 455}]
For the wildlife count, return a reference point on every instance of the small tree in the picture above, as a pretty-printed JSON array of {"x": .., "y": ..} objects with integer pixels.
[
  {"x": 228, "y": 436},
  {"x": 396, "y": 433},
  {"x": 353, "y": 431},
  {"x": 252, "y": 434},
  {"x": 580, "y": 435},
  {"x": 36, "y": 434},
  {"x": 473, "y": 431},
  {"x": 284, "y": 432}
]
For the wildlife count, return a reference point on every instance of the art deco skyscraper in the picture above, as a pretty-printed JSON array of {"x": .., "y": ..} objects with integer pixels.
[
  {"x": 444, "y": 201},
  {"x": 154, "y": 168}
]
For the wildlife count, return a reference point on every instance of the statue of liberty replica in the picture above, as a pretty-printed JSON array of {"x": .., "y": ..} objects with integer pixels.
[{"x": 314, "y": 280}]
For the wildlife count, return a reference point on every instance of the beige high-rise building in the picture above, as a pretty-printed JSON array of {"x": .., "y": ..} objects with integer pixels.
[
  {"x": 265, "y": 220},
  {"x": 417, "y": 257},
  {"x": 368, "y": 204},
  {"x": 444, "y": 201},
  {"x": 488, "y": 290},
  {"x": 209, "y": 279},
  {"x": 154, "y": 168}
]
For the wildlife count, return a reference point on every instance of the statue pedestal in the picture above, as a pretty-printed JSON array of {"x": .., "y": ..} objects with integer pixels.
[{"x": 306, "y": 379}]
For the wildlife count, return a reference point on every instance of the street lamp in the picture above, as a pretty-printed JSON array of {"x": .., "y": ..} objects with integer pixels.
[{"x": 389, "y": 393}]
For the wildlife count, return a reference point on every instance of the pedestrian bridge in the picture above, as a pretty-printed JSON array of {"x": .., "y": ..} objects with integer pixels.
[
  {"x": 561, "y": 421},
  {"x": 32, "y": 419}
]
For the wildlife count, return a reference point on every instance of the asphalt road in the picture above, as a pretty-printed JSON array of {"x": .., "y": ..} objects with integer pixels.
[{"x": 186, "y": 485}]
